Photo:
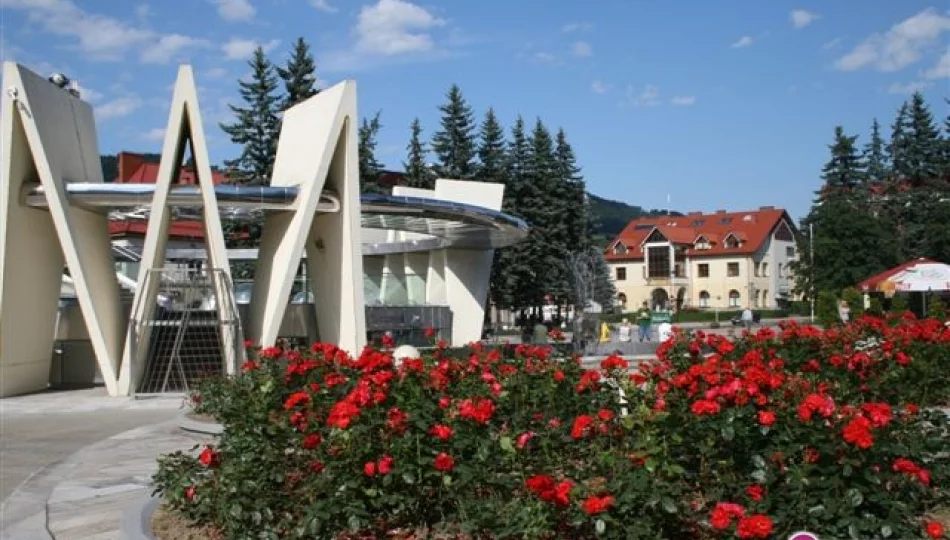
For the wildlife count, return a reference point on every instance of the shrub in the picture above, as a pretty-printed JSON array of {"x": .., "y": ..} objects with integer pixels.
[
  {"x": 936, "y": 309},
  {"x": 823, "y": 430},
  {"x": 899, "y": 304},
  {"x": 876, "y": 308},
  {"x": 855, "y": 301},
  {"x": 826, "y": 309}
]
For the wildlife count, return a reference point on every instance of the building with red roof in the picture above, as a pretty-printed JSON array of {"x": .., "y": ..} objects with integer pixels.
[{"x": 718, "y": 260}]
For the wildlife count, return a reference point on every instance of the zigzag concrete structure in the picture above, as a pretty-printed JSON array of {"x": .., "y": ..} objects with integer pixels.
[{"x": 54, "y": 212}]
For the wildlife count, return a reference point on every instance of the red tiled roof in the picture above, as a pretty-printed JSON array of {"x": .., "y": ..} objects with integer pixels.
[
  {"x": 871, "y": 283},
  {"x": 135, "y": 169},
  {"x": 751, "y": 228},
  {"x": 188, "y": 229}
]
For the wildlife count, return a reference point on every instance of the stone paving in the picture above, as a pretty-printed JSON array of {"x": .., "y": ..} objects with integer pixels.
[{"x": 83, "y": 497}]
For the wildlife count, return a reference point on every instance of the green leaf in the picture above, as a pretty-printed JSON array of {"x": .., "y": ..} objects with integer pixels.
[
  {"x": 669, "y": 505},
  {"x": 650, "y": 464},
  {"x": 627, "y": 422},
  {"x": 447, "y": 480},
  {"x": 600, "y": 526},
  {"x": 728, "y": 432},
  {"x": 854, "y": 497},
  {"x": 886, "y": 531},
  {"x": 506, "y": 445},
  {"x": 371, "y": 492},
  {"x": 408, "y": 478}
]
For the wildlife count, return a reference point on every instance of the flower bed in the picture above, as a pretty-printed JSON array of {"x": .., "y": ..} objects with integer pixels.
[{"x": 831, "y": 432}]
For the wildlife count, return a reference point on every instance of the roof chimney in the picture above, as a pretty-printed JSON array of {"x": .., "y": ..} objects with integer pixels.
[
  {"x": 766, "y": 208},
  {"x": 128, "y": 163},
  {"x": 720, "y": 211},
  {"x": 694, "y": 213}
]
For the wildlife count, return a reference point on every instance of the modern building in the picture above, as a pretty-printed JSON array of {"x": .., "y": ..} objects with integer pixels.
[
  {"x": 158, "y": 330},
  {"x": 720, "y": 260}
]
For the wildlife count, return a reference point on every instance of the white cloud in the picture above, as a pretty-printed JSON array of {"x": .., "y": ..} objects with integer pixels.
[
  {"x": 241, "y": 49},
  {"x": 324, "y": 6},
  {"x": 89, "y": 95},
  {"x": 942, "y": 69},
  {"x": 683, "y": 101},
  {"x": 831, "y": 44},
  {"x": 154, "y": 135},
  {"x": 907, "y": 88},
  {"x": 600, "y": 87},
  {"x": 216, "y": 73},
  {"x": 97, "y": 36},
  {"x": 801, "y": 18},
  {"x": 903, "y": 44},
  {"x": 582, "y": 49},
  {"x": 235, "y": 10},
  {"x": 577, "y": 27},
  {"x": 168, "y": 48},
  {"x": 648, "y": 97},
  {"x": 118, "y": 107},
  {"x": 143, "y": 11},
  {"x": 744, "y": 41},
  {"x": 544, "y": 58},
  {"x": 393, "y": 27}
]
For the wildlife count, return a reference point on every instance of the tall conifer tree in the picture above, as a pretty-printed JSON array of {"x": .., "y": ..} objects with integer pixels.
[
  {"x": 299, "y": 75},
  {"x": 454, "y": 143},
  {"x": 875, "y": 156},
  {"x": 491, "y": 150},
  {"x": 369, "y": 166},
  {"x": 256, "y": 127},
  {"x": 418, "y": 174}
]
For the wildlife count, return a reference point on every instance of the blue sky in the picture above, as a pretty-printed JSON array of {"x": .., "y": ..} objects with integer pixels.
[{"x": 727, "y": 104}]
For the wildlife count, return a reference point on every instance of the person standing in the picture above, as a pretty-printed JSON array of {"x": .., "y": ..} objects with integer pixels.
[
  {"x": 844, "y": 312},
  {"x": 643, "y": 321}
]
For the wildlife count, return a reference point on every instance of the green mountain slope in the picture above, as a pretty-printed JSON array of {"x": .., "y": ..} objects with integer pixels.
[{"x": 610, "y": 217}]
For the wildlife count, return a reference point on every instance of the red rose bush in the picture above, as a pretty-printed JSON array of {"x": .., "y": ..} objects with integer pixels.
[{"x": 831, "y": 432}]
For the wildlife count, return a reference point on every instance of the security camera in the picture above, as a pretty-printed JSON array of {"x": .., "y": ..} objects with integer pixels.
[{"x": 59, "y": 79}]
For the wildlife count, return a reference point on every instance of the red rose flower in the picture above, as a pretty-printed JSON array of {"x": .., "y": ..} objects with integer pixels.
[
  {"x": 312, "y": 441},
  {"x": 385, "y": 465},
  {"x": 597, "y": 505},
  {"x": 754, "y": 526},
  {"x": 369, "y": 468},
  {"x": 723, "y": 514},
  {"x": 443, "y": 462},
  {"x": 524, "y": 438},
  {"x": 605, "y": 415},
  {"x": 208, "y": 457},
  {"x": 702, "y": 407},
  {"x": 858, "y": 433},
  {"x": 558, "y": 376},
  {"x": 581, "y": 423},
  {"x": 934, "y": 529},
  {"x": 766, "y": 418},
  {"x": 442, "y": 432},
  {"x": 755, "y": 492},
  {"x": 190, "y": 493},
  {"x": 316, "y": 467}
]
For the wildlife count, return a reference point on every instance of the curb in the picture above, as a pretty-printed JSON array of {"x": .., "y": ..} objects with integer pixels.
[
  {"x": 205, "y": 428},
  {"x": 136, "y": 521}
]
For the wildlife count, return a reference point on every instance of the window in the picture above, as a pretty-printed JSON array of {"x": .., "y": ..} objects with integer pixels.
[
  {"x": 756, "y": 269},
  {"x": 725, "y": 221},
  {"x": 621, "y": 274},
  {"x": 734, "y": 298},
  {"x": 658, "y": 263},
  {"x": 781, "y": 272},
  {"x": 765, "y": 269},
  {"x": 790, "y": 251},
  {"x": 732, "y": 270},
  {"x": 703, "y": 270},
  {"x": 765, "y": 299},
  {"x": 731, "y": 242},
  {"x": 704, "y": 299},
  {"x": 699, "y": 222},
  {"x": 620, "y": 249}
]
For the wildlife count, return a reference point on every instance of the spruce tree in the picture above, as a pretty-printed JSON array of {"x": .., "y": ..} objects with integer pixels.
[
  {"x": 491, "y": 150},
  {"x": 454, "y": 144},
  {"x": 577, "y": 209},
  {"x": 843, "y": 170},
  {"x": 897, "y": 148},
  {"x": 875, "y": 156},
  {"x": 418, "y": 174},
  {"x": 550, "y": 208},
  {"x": 369, "y": 166},
  {"x": 924, "y": 146},
  {"x": 256, "y": 127},
  {"x": 299, "y": 75}
]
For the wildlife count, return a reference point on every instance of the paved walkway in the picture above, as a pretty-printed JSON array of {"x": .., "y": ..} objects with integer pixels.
[{"x": 45, "y": 445}]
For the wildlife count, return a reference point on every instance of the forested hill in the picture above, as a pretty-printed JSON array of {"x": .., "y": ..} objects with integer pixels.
[{"x": 610, "y": 217}]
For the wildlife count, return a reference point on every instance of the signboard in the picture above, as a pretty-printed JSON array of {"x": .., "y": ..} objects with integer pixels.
[{"x": 658, "y": 317}]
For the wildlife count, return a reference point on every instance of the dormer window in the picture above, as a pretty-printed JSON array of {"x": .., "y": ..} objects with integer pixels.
[
  {"x": 620, "y": 249},
  {"x": 731, "y": 242},
  {"x": 702, "y": 243}
]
